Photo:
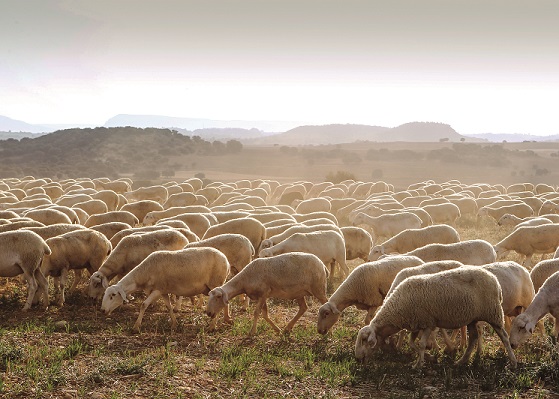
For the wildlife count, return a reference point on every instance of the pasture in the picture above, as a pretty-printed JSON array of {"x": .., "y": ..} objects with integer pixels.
[{"x": 76, "y": 351}]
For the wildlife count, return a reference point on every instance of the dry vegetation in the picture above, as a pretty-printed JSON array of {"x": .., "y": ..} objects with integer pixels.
[{"x": 76, "y": 351}]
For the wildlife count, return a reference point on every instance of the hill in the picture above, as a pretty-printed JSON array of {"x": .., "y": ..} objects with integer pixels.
[
  {"x": 512, "y": 138},
  {"x": 337, "y": 134}
]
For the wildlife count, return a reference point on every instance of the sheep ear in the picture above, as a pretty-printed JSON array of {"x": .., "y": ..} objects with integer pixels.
[
  {"x": 530, "y": 327},
  {"x": 225, "y": 297},
  {"x": 104, "y": 282},
  {"x": 372, "y": 340},
  {"x": 334, "y": 309},
  {"x": 382, "y": 250},
  {"x": 122, "y": 294}
]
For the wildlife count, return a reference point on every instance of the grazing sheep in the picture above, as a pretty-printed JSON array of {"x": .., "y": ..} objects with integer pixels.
[
  {"x": 48, "y": 216},
  {"x": 511, "y": 220},
  {"x": 153, "y": 216},
  {"x": 54, "y": 230},
  {"x": 22, "y": 252},
  {"x": 18, "y": 224},
  {"x": 129, "y": 253},
  {"x": 112, "y": 216},
  {"x": 469, "y": 252},
  {"x": 133, "y": 230},
  {"x": 329, "y": 246},
  {"x": 187, "y": 272},
  {"x": 520, "y": 210},
  {"x": 179, "y": 199},
  {"x": 446, "y": 213},
  {"x": 313, "y": 205},
  {"x": 302, "y": 217},
  {"x": 358, "y": 242},
  {"x": 449, "y": 299},
  {"x": 74, "y": 250},
  {"x": 236, "y": 247},
  {"x": 289, "y": 231},
  {"x": 141, "y": 208},
  {"x": 530, "y": 240},
  {"x": 542, "y": 271},
  {"x": 389, "y": 225},
  {"x": 109, "y": 197},
  {"x": 411, "y": 239},
  {"x": 109, "y": 229},
  {"x": 92, "y": 206},
  {"x": 154, "y": 193},
  {"x": 249, "y": 227},
  {"x": 365, "y": 287},
  {"x": 288, "y": 276},
  {"x": 197, "y": 222},
  {"x": 546, "y": 301}
]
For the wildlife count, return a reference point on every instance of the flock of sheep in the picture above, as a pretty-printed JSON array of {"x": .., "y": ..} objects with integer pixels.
[{"x": 262, "y": 239}]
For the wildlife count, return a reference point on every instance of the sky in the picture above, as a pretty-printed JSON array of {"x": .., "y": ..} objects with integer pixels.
[{"x": 480, "y": 66}]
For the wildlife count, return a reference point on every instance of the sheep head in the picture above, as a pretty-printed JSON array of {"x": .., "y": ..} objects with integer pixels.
[
  {"x": 113, "y": 298},
  {"x": 328, "y": 315},
  {"x": 218, "y": 299},
  {"x": 520, "y": 330}
]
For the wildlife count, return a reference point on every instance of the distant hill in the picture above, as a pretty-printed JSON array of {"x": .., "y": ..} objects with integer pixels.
[
  {"x": 9, "y": 125},
  {"x": 512, "y": 138},
  {"x": 224, "y": 133},
  {"x": 337, "y": 134},
  {"x": 143, "y": 121}
]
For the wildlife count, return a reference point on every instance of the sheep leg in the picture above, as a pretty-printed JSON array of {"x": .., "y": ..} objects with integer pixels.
[
  {"x": 151, "y": 297},
  {"x": 77, "y": 278},
  {"x": 167, "y": 301},
  {"x": 473, "y": 336},
  {"x": 178, "y": 304},
  {"x": 257, "y": 310},
  {"x": 528, "y": 262},
  {"x": 265, "y": 316},
  {"x": 302, "y": 309},
  {"x": 44, "y": 287},
  {"x": 449, "y": 343},
  {"x": 226, "y": 315},
  {"x": 370, "y": 314},
  {"x": 421, "y": 349},
  {"x": 505, "y": 340},
  {"x": 62, "y": 281},
  {"x": 31, "y": 289}
]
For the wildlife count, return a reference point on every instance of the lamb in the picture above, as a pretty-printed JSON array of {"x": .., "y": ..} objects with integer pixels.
[
  {"x": 469, "y": 252},
  {"x": 449, "y": 299},
  {"x": 187, "y": 272},
  {"x": 389, "y": 225},
  {"x": 129, "y": 253},
  {"x": 236, "y": 247},
  {"x": 329, "y": 246},
  {"x": 358, "y": 242},
  {"x": 74, "y": 250},
  {"x": 530, "y": 240},
  {"x": 112, "y": 216},
  {"x": 287, "y": 276},
  {"x": 411, "y": 239},
  {"x": 249, "y": 227},
  {"x": 365, "y": 287},
  {"x": 22, "y": 252},
  {"x": 546, "y": 301}
]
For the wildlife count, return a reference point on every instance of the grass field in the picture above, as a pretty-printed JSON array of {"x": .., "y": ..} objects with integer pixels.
[{"x": 77, "y": 352}]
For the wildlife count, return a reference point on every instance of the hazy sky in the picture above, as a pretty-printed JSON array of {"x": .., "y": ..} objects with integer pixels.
[{"x": 481, "y": 66}]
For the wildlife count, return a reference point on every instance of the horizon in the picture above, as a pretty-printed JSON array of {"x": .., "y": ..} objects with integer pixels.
[{"x": 480, "y": 67}]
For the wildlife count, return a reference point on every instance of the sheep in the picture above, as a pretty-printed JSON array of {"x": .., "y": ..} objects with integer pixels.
[
  {"x": 443, "y": 213},
  {"x": 48, "y": 216},
  {"x": 92, "y": 206},
  {"x": 109, "y": 197},
  {"x": 180, "y": 199},
  {"x": 449, "y": 299},
  {"x": 74, "y": 250},
  {"x": 141, "y": 208},
  {"x": 365, "y": 287},
  {"x": 520, "y": 210},
  {"x": 358, "y": 242},
  {"x": 154, "y": 193},
  {"x": 289, "y": 231},
  {"x": 54, "y": 230},
  {"x": 129, "y": 253},
  {"x": 511, "y": 220},
  {"x": 18, "y": 224},
  {"x": 236, "y": 247},
  {"x": 313, "y": 205},
  {"x": 133, "y": 230},
  {"x": 328, "y": 245},
  {"x": 153, "y": 216},
  {"x": 22, "y": 252},
  {"x": 542, "y": 271},
  {"x": 389, "y": 225},
  {"x": 109, "y": 229},
  {"x": 530, "y": 240},
  {"x": 287, "y": 276},
  {"x": 411, "y": 239},
  {"x": 546, "y": 301},
  {"x": 112, "y": 216},
  {"x": 301, "y": 217},
  {"x": 187, "y": 272},
  {"x": 249, "y": 227},
  {"x": 469, "y": 252}
]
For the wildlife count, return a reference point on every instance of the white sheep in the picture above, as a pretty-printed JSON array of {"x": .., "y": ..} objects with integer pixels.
[
  {"x": 546, "y": 301},
  {"x": 358, "y": 242},
  {"x": 197, "y": 222},
  {"x": 511, "y": 220},
  {"x": 365, "y": 288},
  {"x": 530, "y": 240},
  {"x": 288, "y": 276},
  {"x": 328, "y": 245},
  {"x": 112, "y": 216},
  {"x": 155, "y": 193},
  {"x": 389, "y": 225},
  {"x": 129, "y": 253},
  {"x": 187, "y": 272},
  {"x": 249, "y": 227},
  {"x": 110, "y": 229},
  {"x": 446, "y": 213},
  {"x": 469, "y": 252},
  {"x": 449, "y": 299},
  {"x": 80, "y": 249},
  {"x": 141, "y": 208},
  {"x": 133, "y": 230},
  {"x": 520, "y": 210},
  {"x": 48, "y": 216},
  {"x": 411, "y": 239},
  {"x": 22, "y": 252},
  {"x": 298, "y": 228}
]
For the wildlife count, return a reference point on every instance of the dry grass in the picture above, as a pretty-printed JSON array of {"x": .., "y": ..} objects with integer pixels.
[{"x": 93, "y": 356}]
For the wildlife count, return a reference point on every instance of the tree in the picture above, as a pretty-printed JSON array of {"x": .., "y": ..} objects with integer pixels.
[{"x": 234, "y": 146}]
